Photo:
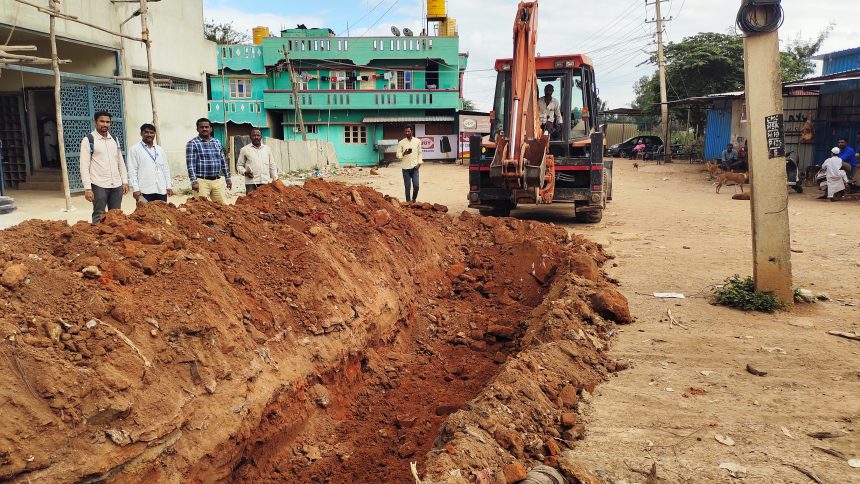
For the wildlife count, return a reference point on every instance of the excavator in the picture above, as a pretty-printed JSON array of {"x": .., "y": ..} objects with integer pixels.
[{"x": 526, "y": 161}]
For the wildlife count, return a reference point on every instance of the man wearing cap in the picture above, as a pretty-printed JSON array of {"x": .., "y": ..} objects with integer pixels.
[{"x": 836, "y": 177}]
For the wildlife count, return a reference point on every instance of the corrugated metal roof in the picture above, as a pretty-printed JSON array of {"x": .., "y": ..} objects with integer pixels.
[
  {"x": 408, "y": 119},
  {"x": 820, "y": 82},
  {"x": 837, "y": 53}
]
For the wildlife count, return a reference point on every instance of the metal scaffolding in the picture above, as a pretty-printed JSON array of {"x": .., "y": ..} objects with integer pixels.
[{"x": 8, "y": 57}]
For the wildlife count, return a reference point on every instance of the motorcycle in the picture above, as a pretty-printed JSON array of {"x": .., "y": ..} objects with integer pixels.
[{"x": 792, "y": 172}]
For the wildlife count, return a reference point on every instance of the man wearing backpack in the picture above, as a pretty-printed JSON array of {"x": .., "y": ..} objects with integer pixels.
[{"x": 103, "y": 172}]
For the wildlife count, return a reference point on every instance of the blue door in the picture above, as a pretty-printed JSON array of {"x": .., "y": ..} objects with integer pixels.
[
  {"x": 80, "y": 101},
  {"x": 717, "y": 132}
]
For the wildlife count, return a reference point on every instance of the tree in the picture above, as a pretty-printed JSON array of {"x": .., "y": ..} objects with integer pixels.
[
  {"x": 469, "y": 105},
  {"x": 223, "y": 33},
  {"x": 795, "y": 59},
  {"x": 712, "y": 63}
]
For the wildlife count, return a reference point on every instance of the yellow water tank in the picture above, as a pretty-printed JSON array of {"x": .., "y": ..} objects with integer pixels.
[
  {"x": 259, "y": 34},
  {"x": 436, "y": 10},
  {"x": 448, "y": 28}
]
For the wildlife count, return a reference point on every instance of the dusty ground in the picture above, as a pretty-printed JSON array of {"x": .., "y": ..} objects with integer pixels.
[{"x": 671, "y": 232}]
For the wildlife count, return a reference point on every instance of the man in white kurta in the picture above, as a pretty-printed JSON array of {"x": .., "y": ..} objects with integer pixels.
[
  {"x": 836, "y": 176},
  {"x": 257, "y": 163}
]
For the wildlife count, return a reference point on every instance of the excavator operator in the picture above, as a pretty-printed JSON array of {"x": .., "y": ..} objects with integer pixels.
[{"x": 549, "y": 111}]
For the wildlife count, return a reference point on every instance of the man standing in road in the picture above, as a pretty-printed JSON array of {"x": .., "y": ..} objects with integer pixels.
[
  {"x": 549, "y": 110},
  {"x": 409, "y": 151},
  {"x": 207, "y": 164},
  {"x": 103, "y": 171},
  {"x": 148, "y": 169},
  {"x": 256, "y": 163},
  {"x": 848, "y": 156}
]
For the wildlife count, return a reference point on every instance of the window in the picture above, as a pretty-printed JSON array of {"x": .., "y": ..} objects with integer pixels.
[
  {"x": 302, "y": 81},
  {"x": 400, "y": 80},
  {"x": 240, "y": 88},
  {"x": 341, "y": 80},
  {"x": 309, "y": 129},
  {"x": 177, "y": 84},
  {"x": 355, "y": 134}
]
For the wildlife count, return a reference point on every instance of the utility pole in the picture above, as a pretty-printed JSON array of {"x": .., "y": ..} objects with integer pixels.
[
  {"x": 144, "y": 29},
  {"x": 295, "y": 95},
  {"x": 769, "y": 202},
  {"x": 661, "y": 69},
  {"x": 54, "y": 7}
]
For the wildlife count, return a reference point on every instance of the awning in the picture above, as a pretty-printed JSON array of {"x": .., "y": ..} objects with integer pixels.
[{"x": 408, "y": 119}]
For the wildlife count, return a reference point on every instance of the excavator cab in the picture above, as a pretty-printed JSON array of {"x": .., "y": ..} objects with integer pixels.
[
  {"x": 581, "y": 177},
  {"x": 572, "y": 81}
]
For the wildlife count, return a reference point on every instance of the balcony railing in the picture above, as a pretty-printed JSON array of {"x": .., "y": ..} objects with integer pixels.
[
  {"x": 251, "y": 112},
  {"x": 361, "y": 50},
  {"x": 435, "y": 99},
  {"x": 241, "y": 58}
]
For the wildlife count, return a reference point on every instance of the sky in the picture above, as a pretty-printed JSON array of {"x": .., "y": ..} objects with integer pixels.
[{"x": 612, "y": 32}]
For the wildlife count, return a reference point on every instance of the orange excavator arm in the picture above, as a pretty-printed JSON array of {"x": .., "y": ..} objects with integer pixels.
[{"x": 521, "y": 159}]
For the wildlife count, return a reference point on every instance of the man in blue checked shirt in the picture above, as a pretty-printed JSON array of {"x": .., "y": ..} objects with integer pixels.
[{"x": 207, "y": 164}]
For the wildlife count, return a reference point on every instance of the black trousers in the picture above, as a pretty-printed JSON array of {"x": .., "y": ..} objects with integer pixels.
[{"x": 110, "y": 198}]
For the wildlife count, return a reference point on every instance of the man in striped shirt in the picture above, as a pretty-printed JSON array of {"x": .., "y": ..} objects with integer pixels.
[{"x": 207, "y": 164}]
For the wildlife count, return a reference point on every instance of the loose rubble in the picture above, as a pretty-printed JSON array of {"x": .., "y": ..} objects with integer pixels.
[{"x": 316, "y": 333}]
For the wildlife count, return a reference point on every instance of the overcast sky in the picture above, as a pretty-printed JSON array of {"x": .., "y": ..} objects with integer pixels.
[{"x": 612, "y": 32}]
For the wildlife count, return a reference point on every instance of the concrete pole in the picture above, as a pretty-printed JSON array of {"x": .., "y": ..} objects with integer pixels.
[
  {"x": 61, "y": 142},
  {"x": 296, "y": 95},
  {"x": 144, "y": 29},
  {"x": 661, "y": 67},
  {"x": 770, "y": 228}
]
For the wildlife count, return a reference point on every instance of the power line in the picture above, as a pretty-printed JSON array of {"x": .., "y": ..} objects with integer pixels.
[
  {"x": 362, "y": 17},
  {"x": 381, "y": 17},
  {"x": 602, "y": 33}
]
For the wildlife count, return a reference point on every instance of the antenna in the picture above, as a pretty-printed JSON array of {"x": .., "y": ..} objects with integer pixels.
[
  {"x": 408, "y": 32},
  {"x": 395, "y": 31}
]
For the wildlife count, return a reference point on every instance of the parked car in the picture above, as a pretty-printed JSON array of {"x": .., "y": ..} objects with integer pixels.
[{"x": 624, "y": 149}]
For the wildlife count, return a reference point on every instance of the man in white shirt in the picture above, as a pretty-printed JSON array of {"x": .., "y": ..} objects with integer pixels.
[
  {"x": 409, "y": 152},
  {"x": 836, "y": 176},
  {"x": 549, "y": 110},
  {"x": 103, "y": 172},
  {"x": 148, "y": 169},
  {"x": 257, "y": 163}
]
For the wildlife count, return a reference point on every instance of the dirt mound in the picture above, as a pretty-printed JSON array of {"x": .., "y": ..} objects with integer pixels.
[{"x": 323, "y": 333}]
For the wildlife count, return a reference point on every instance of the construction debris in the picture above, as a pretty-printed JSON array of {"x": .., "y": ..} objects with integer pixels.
[{"x": 394, "y": 331}]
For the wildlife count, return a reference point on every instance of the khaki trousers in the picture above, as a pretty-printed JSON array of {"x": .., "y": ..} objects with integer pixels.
[{"x": 214, "y": 190}]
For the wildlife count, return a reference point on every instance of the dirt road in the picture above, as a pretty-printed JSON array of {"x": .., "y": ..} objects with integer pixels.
[{"x": 669, "y": 231}]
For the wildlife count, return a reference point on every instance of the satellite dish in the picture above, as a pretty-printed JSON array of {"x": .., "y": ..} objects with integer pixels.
[
  {"x": 408, "y": 32},
  {"x": 395, "y": 31}
]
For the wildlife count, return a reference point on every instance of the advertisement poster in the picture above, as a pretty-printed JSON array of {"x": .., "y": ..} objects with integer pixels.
[{"x": 437, "y": 147}]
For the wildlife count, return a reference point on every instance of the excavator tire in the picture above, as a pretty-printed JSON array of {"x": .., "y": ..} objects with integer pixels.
[
  {"x": 500, "y": 209},
  {"x": 589, "y": 217}
]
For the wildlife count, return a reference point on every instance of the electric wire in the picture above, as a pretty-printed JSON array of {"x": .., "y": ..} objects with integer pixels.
[
  {"x": 381, "y": 17},
  {"x": 748, "y": 17},
  {"x": 363, "y": 16}
]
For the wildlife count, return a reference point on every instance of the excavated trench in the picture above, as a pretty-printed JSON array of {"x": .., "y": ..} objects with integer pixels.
[
  {"x": 316, "y": 334},
  {"x": 382, "y": 407}
]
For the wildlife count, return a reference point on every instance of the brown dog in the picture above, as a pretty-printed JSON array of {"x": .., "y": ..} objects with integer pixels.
[
  {"x": 713, "y": 169},
  {"x": 738, "y": 178},
  {"x": 635, "y": 166}
]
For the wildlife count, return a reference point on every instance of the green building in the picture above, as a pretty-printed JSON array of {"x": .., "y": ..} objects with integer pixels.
[{"x": 359, "y": 93}]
